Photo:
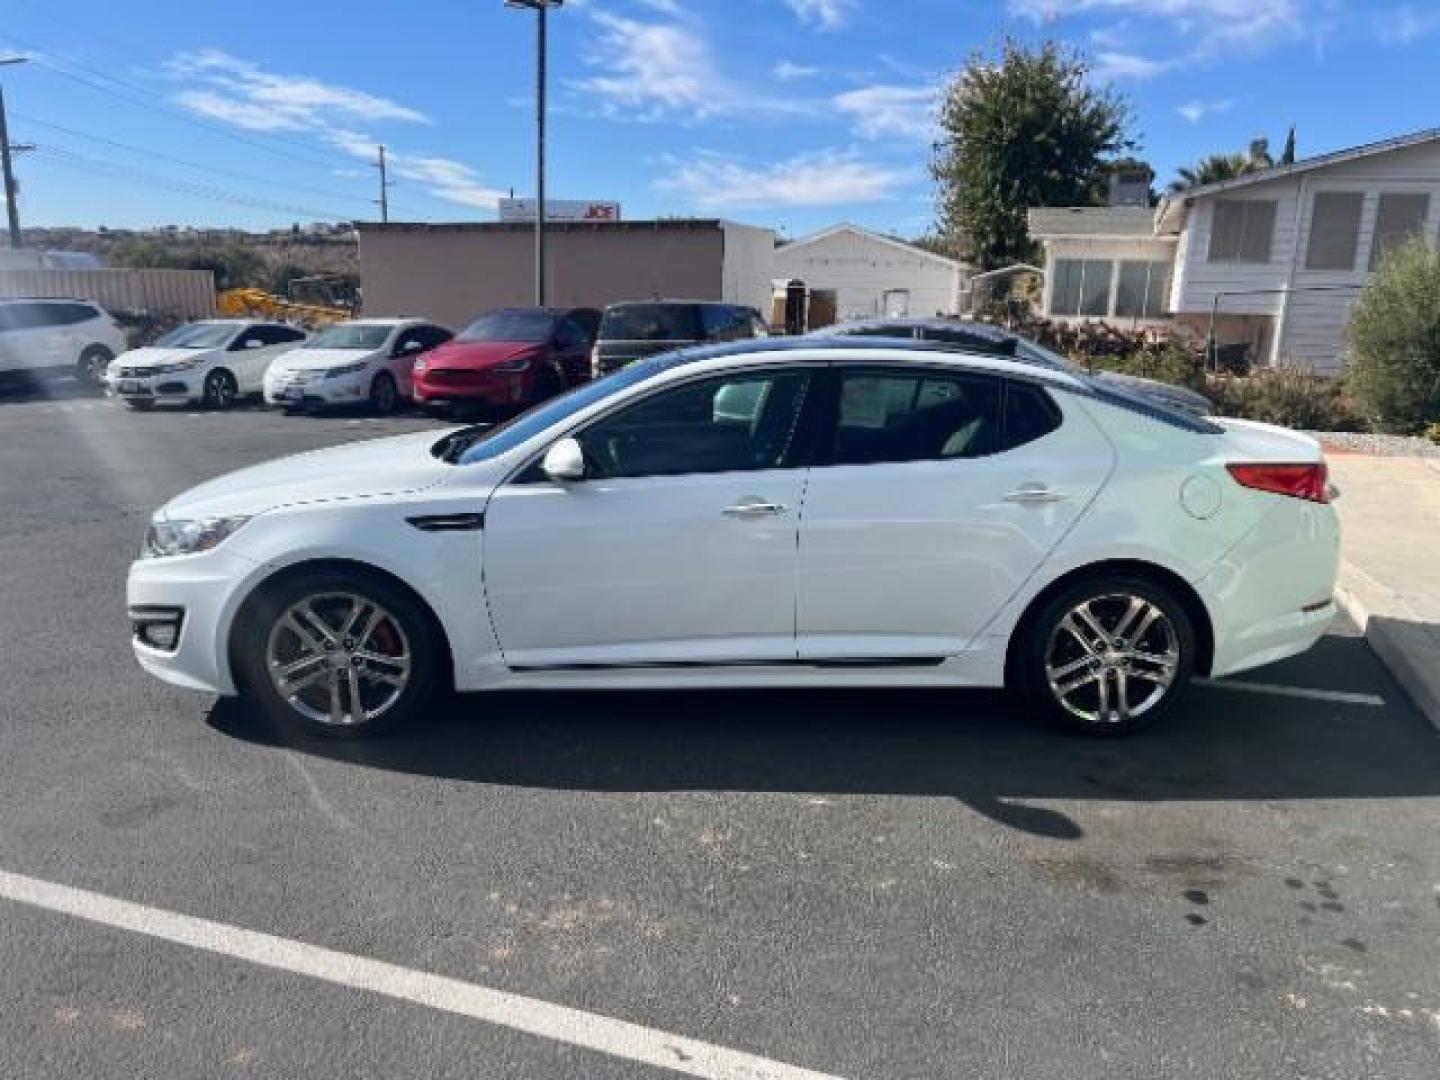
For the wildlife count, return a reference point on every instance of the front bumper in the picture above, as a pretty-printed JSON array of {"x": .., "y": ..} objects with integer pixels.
[
  {"x": 481, "y": 387},
  {"x": 288, "y": 389},
  {"x": 198, "y": 595},
  {"x": 171, "y": 385}
]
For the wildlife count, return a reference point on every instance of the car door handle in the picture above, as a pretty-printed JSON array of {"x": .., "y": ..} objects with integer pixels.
[
  {"x": 1034, "y": 494},
  {"x": 754, "y": 508}
]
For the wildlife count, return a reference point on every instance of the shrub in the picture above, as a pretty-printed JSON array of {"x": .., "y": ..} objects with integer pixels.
[
  {"x": 1287, "y": 395},
  {"x": 1169, "y": 363},
  {"x": 1394, "y": 332},
  {"x": 1433, "y": 432}
]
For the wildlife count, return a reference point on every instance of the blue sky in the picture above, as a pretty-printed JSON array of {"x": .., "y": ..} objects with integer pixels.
[{"x": 788, "y": 113}]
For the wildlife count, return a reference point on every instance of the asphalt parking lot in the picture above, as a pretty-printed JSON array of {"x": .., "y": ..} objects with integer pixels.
[{"x": 861, "y": 884}]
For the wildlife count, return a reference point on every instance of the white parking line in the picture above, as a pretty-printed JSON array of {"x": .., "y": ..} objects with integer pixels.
[
  {"x": 603, "y": 1034},
  {"x": 1343, "y": 697}
]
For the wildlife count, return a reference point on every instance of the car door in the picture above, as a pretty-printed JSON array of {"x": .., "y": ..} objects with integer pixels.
[
  {"x": 679, "y": 545},
  {"x": 256, "y": 349},
  {"x": 935, "y": 493}
]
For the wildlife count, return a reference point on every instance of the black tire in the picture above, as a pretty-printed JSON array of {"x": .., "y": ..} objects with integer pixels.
[
  {"x": 384, "y": 394},
  {"x": 92, "y": 364},
  {"x": 220, "y": 391},
  {"x": 418, "y": 633},
  {"x": 1108, "y": 661},
  {"x": 140, "y": 404}
]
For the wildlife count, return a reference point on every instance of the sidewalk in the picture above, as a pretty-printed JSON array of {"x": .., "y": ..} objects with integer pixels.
[{"x": 1390, "y": 575}]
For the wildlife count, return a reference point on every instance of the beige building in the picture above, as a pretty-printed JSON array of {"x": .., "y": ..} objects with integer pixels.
[{"x": 450, "y": 273}]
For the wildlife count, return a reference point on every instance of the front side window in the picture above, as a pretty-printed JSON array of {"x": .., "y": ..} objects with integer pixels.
[
  {"x": 1242, "y": 230},
  {"x": 884, "y": 416},
  {"x": 735, "y": 423},
  {"x": 1334, "y": 230},
  {"x": 1399, "y": 217}
]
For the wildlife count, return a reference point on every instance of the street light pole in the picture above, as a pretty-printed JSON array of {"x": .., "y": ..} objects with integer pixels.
[
  {"x": 12, "y": 210},
  {"x": 541, "y": 9}
]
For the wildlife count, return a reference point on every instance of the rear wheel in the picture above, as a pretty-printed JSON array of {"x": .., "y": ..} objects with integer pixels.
[
  {"x": 1105, "y": 656},
  {"x": 220, "y": 390},
  {"x": 384, "y": 397},
  {"x": 338, "y": 655},
  {"x": 93, "y": 362}
]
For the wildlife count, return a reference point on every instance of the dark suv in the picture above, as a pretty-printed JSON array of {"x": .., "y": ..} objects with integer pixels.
[{"x": 640, "y": 328}]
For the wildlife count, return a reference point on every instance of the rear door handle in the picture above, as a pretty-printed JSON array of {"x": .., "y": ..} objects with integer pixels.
[
  {"x": 1034, "y": 494},
  {"x": 754, "y": 508}
]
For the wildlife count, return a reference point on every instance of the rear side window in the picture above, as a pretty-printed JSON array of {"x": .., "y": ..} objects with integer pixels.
[
  {"x": 914, "y": 416},
  {"x": 1029, "y": 414},
  {"x": 651, "y": 322}
]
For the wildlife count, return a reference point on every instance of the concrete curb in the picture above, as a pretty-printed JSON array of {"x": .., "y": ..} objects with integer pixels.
[{"x": 1404, "y": 646}]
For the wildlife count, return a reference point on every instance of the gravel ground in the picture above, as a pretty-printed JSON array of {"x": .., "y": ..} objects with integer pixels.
[{"x": 1380, "y": 445}]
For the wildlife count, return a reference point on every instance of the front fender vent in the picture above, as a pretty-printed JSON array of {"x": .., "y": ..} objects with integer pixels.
[{"x": 448, "y": 522}]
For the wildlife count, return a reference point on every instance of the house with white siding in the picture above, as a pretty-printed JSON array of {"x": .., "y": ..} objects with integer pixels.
[
  {"x": 872, "y": 274},
  {"x": 1269, "y": 263}
]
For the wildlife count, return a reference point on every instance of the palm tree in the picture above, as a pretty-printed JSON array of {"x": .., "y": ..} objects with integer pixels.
[{"x": 1217, "y": 167}]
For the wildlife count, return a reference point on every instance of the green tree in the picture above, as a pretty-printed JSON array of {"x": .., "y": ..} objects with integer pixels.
[
  {"x": 1218, "y": 167},
  {"x": 1394, "y": 332},
  {"x": 1287, "y": 156},
  {"x": 1027, "y": 129},
  {"x": 141, "y": 254},
  {"x": 234, "y": 266}
]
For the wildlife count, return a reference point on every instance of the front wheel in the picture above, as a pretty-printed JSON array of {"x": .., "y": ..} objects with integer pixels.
[
  {"x": 384, "y": 397},
  {"x": 338, "y": 655},
  {"x": 1105, "y": 656},
  {"x": 220, "y": 390},
  {"x": 93, "y": 362}
]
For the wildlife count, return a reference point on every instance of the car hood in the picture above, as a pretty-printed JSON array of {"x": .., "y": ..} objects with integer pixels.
[
  {"x": 1179, "y": 396},
  {"x": 478, "y": 354},
  {"x": 321, "y": 359},
  {"x": 154, "y": 357},
  {"x": 375, "y": 467}
]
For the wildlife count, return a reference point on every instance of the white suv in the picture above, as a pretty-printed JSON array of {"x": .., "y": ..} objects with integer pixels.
[
  {"x": 58, "y": 336},
  {"x": 212, "y": 362}
]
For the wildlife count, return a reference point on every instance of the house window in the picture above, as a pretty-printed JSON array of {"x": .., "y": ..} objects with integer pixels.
[
  {"x": 1141, "y": 290},
  {"x": 1400, "y": 217},
  {"x": 1081, "y": 287},
  {"x": 1242, "y": 230},
  {"x": 1334, "y": 230}
]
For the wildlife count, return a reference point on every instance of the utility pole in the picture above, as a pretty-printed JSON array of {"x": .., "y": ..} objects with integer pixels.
[
  {"x": 384, "y": 199},
  {"x": 541, "y": 9},
  {"x": 12, "y": 210}
]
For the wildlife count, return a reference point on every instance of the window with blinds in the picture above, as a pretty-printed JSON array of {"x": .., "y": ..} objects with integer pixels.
[
  {"x": 1400, "y": 216},
  {"x": 1242, "y": 230},
  {"x": 1334, "y": 230}
]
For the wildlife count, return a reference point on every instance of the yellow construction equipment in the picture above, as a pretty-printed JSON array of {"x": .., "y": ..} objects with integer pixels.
[{"x": 257, "y": 303}]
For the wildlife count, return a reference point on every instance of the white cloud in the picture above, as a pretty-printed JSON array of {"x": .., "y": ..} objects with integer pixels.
[
  {"x": 884, "y": 111},
  {"x": 1195, "y": 111},
  {"x": 1126, "y": 65},
  {"x": 243, "y": 93},
  {"x": 789, "y": 71},
  {"x": 827, "y": 178},
  {"x": 446, "y": 179},
  {"x": 826, "y": 14},
  {"x": 1405, "y": 25}
]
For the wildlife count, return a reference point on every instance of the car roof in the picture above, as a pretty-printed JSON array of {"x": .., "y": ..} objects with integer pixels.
[
  {"x": 942, "y": 351},
  {"x": 666, "y": 301},
  {"x": 48, "y": 300},
  {"x": 988, "y": 331}
]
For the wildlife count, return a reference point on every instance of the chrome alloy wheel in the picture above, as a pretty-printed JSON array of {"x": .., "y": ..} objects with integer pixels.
[
  {"x": 1112, "y": 658},
  {"x": 338, "y": 658}
]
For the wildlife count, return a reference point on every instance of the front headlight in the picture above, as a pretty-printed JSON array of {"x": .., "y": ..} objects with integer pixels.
[
  {"x": 167, "y": 536},
  {"x": 347, "y": 369}
]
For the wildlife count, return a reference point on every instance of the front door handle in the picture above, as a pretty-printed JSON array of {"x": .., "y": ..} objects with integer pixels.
[
  {"x": 1035, "y": 493},
  {"x": 754, "y": 508}
]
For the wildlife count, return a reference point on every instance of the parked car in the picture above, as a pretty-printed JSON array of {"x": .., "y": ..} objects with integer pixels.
[
  {"x": 213, "y": 362},
  {"x": 507, "y": 360},
  {"x": 804, "y": 512},
  {"x": 50, "y": 336},
  {"x": 637, "y": 329},
  {"x": 983, "y": 337},
  {"x": 357, "y": 362}
]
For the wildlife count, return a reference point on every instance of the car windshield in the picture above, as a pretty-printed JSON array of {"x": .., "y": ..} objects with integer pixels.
[
  {"x": 482, "y": 443},
  {"x": 510, "y": 326},
  {"x": 197, "y": 336},
  {"x": 349, "y": 336},
  {"x": 651, "y": 322}
]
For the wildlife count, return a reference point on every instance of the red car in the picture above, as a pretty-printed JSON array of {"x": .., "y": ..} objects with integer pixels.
[{"x": 508, "y": 360}]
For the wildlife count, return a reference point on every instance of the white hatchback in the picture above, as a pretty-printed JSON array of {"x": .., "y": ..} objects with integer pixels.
[
  {"x": 772, "y": 513},
  {"x": 213, "y": 362},
  {"x": 350, "y": 363}
]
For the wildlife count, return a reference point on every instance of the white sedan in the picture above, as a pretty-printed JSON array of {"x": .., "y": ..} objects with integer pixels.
[
  {"x": 365, "y": 361},
  {"x": 213, "y": 362},
  {"x": 761, "y": 514}
]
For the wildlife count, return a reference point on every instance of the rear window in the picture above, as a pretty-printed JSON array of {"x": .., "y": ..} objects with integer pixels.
[{"x": 651, "y": 322}]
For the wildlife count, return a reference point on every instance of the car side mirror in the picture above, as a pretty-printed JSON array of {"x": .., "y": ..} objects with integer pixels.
[{"x": 564, "y": 463}]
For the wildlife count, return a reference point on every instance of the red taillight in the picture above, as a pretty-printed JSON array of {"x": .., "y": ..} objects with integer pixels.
[{"x": 1310, "y": 481}]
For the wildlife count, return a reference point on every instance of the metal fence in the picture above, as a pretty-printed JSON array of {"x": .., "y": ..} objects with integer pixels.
[{"x": 177, "y": 294}]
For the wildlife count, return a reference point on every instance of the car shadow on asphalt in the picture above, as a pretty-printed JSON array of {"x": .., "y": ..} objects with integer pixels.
[
  {"x": 975, "y": 746},
  {"x": 21, "y": 390}
]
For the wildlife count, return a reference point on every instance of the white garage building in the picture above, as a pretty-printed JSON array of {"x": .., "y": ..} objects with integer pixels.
[{"x": 872, "y": 274}]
